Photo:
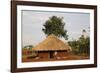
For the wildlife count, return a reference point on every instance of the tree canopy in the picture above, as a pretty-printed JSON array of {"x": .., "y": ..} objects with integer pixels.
[{"x": 55, "y": 25}]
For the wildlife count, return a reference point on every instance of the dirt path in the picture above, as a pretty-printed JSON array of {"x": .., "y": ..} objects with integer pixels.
[{"x": 69, "y": 57}]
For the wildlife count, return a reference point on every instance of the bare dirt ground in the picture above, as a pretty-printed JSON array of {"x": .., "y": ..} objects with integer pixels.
[{"x": 69, "y": 57}]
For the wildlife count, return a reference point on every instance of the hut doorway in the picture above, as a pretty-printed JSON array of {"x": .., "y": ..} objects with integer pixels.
[{"x": 51, "y": 54}]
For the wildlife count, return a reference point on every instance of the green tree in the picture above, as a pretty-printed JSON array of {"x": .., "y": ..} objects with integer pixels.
[
  {"x": 75, "y": 46},
  {"x": 84, "y": 30},
  {"x": 55, "y": 25},
  {"x": 29, "y": 47},
  {"x": 84, "y": 45}
]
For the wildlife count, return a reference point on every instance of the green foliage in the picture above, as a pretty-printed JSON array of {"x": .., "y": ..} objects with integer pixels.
[
  {"x": 81, "y": 46},
  {"x": 84, "y": 45},
  {"x": 84, "y": 30},
  {"x": 29, "y": 47},
  {"x": 55, "y": 25},
  {"x": 75, "y": 46}
]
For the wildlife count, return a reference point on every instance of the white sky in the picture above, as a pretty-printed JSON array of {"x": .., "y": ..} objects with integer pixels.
[{"x": 32, "y": 24}]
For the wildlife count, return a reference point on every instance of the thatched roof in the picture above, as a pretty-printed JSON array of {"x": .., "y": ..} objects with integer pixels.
[{"x": 51, "y": 43}]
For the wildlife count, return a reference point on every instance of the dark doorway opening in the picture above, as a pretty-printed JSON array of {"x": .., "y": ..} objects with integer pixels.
[{"x": 51, "y": 54}]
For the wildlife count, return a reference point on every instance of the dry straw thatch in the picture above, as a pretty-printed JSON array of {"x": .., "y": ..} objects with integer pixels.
[{"x": 51, "y": 43}]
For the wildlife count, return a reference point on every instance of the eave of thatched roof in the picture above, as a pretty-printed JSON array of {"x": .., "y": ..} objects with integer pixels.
[{"x": 51, "y": 43}]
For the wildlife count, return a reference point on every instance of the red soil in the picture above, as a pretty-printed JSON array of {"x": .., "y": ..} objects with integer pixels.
[{"x": 69, "y": 57}]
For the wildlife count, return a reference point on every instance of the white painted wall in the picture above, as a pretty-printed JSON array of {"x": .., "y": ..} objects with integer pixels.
[{"x": 5, "y": 36}]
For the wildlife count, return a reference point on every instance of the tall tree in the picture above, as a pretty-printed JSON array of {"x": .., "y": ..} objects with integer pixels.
[
  {"x": 55, "y": 25},
  {"x": 84, "y": 44}
]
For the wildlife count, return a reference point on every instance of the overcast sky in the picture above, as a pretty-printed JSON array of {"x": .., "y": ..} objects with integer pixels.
[{"x": 32, "y": 24}]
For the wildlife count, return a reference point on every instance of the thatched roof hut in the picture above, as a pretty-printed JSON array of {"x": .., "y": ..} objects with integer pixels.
[{"x": 52, "y": 43}]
